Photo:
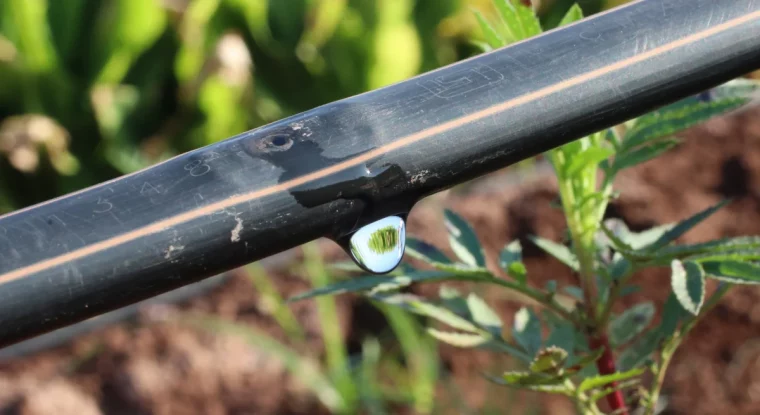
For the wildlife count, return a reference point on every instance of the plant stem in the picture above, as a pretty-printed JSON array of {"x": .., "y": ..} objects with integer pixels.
[
  {"x": 606, "y": 366},
  {"x": 654, "y": 394},
  {"x": 670, "y": 348}
]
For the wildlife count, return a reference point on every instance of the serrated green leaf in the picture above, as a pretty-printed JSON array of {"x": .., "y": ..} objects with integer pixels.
[
  {"x": 588, "y": 158},
  {"x": 443, "y": 315},
  {"x": 419, "y": 306},
  {"x": 549, "y": 360},
  {"x": 636, "y": 156},
  {"x": 734, "y": 272},
  {"x": 561, "y": 252},
  {"x": 630, "y": 323},
  {"x": 483, "y": 315},
  {"x": 604, "y": 380},
  {"x": 510, "y": 260},
  {"x": 520, "y": 21},
  {"x": 463, "y": 240},
  {"x": 463, "y": 340},
  {"x": 489, "y": 33},
  {"x": 688, "y": 282},
  {"x": 426, "y": 252},
  {"x": 677, "y": 117},
  {"x": 744, "y": 247},
  {"x": 526, "y": 331},
  {"x": 573, "y": 15},
  {"x": 684, "y": 226},
  {"x": 370, "y": 282},
  {"x": 638, "y": 240},
  {"x": 735, "y": 256}
]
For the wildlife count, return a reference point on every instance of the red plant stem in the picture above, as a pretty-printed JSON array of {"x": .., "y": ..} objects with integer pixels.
[{"x": 606, "y": 366}]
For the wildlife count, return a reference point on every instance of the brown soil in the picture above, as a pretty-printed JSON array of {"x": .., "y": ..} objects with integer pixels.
[{"x": 156, "y": 366}]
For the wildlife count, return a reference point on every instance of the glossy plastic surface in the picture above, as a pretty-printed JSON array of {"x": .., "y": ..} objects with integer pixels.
[{"x": 337, "y": 167}]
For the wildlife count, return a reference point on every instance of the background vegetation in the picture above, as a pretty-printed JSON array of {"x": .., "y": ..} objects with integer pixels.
[{"x": 92, "y": 89}]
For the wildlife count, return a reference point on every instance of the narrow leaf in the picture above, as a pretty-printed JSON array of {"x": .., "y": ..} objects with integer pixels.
[
  {"x": 589, "y": 158},
  {"x": 734, "y": 256},
  {"x": 558, "y": 251},
  {"x": 443, "y": 315},
  {"x": 720, "y": 249},
  {"x": 426, "y": 252},
  {"x": 608, "y": 390},
  {"x": 530, "y": 379},
  {"x": 676, "y": 117},
  {"x": 642, "y": 154},
  {"x": 489, "y": 33},
  {"x": 371, "y": 282},
  {"x": 519, "y": 20},
  {"x": 733, "y": 271},
  {"x": 459, "y": 339},
  {"x": 638, "y": 240},
  {"x": 604, "y": 380},
  {"x": 683, "y": 227},
  {"x": 688, "y": 282},
  {"x": 463, "y": 240}
]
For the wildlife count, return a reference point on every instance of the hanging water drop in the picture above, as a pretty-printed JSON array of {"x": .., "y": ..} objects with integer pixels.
[{"x": 379, "y": 246}]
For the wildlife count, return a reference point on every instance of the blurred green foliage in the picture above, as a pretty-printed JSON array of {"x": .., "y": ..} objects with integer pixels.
[{"x": 93, "y": 89}]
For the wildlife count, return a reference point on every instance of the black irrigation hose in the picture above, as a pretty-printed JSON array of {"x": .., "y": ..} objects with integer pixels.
[{"x": 331, "y": 169}]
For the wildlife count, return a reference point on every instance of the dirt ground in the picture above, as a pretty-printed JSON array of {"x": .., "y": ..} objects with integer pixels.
[{"x": 150, "y": 366}]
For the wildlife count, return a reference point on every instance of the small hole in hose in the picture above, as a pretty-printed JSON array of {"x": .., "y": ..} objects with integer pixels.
[{"x": 280, "y": 140}]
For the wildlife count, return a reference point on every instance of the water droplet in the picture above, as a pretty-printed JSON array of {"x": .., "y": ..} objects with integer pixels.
[{"x": 379, "y": 246}]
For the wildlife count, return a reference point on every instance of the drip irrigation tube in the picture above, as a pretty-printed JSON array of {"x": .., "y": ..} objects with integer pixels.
[{"x": 328, "y": 170}]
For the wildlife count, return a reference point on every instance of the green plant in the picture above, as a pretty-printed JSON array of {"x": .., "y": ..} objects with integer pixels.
[{"x": 591, "y": 353}]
